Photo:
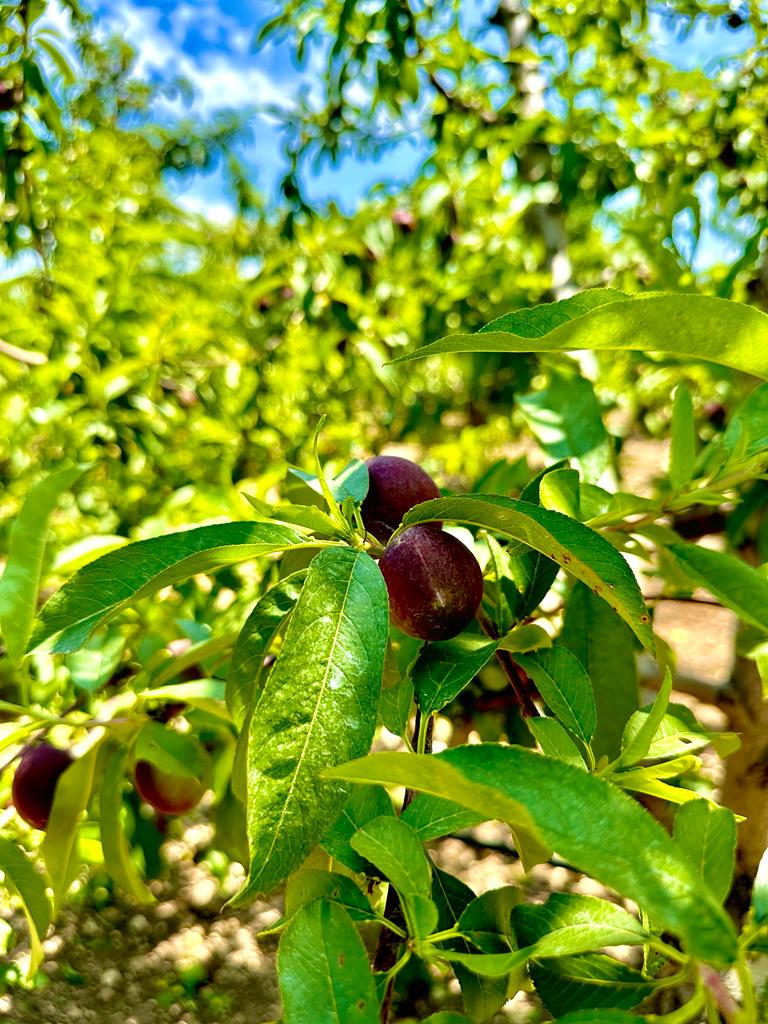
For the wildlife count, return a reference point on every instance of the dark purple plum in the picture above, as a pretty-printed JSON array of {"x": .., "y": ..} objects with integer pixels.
[
  {"x": 396, "y": 485},
  {"x": 34, "y": 783},
  {"x": 434, "y": 583},
  {"x": 170, "y": 794}
]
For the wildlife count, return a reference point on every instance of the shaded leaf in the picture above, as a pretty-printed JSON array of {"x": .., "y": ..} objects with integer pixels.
[
  {"x": 708, "y": 834},
  {"x": 564, "y": 687},
  {"x": 734, "y": 583},
  {"x": 117, "y": 853}
]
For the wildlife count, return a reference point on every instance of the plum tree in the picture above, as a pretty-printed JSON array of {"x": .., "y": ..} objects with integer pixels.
[
  {"x": 434, "y": 583},
  {"x": 396, "y": 485},
  {"x": 34, "y": 783}
]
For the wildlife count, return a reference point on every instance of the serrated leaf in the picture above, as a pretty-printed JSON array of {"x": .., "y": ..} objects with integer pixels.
[
  {"x": 561, "y": 492},
  {"x": 103, "y": 588},
  {"x": 604, "y": 646},
  {"x": 323, "y": 969},
  {"x": 643, "y": 726},
  {"x": 708, "y": 835},
  {"x": 682, "y": 456},
  {"x": 26, "y": 549},
  {"x": 432, "y": 817},
  {"x": 310, "y": 517},
  {"x": 570, "y": 923},
  {"x": 528, "y": 637},
  {"x": 693, "y": 326},
  {"x": 564, "y": 687},
  {"x": 174, "y": 752},
  {"x": 318, "y": 708},
  {"x": 21, "y": 877},
  {"x": 555, "y": 741},
  {"x": 442, "y": 670},
  {"x": 95, "y": 663},
  {"x": 59, "y": 848},
  {"x": 734, "y": 583},
  {"x": 582, "y": 552},
  {"x": 117, "y": 853},
  {"x": 487, "y": 920},
  {"x": 747, "y": 430},
  {"x": 591, "y": 823},
  {"x": 363, "y": 804},
  {"x": 597, "y": 984},
  {"x": 600, "y": 1016},
  {"x": 245, "y": 678}
]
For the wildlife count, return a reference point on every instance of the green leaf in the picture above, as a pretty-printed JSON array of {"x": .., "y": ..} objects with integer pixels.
[
  {"x": 394, "y": 848},
  {"x": 442, "y": 670},
  {"x": 306, "y": 886},
  {"x": 352, "y": 482},
  {"x": 92, "y": 666},
  {"x": 643, "y": 726},
  {"x": 680, "y": 733},
  {"x": 59, "y": 848},
  {"x": 570, "y": 923},
  {"x": 117, "y": 853},
  {"x": 528, "y": 637},
  {"x": 432, "y": 817},
  {"x": 734, "y": 583},
  {"x": 579, "y": 550},
  {"x": 20, "y": 876},
  {"x": 555, "y": 741},
  {"x": 310, "y": 517},
  {"x": 760, "y": 891},
  {"x": 208, "y": 694},
  {"x": 395, "y": 706},
  {"x": 693, "y": 326},
  {"x": 318, "y": 708},
  {"x": 564, "y": 687},
  {"x": 566, "y": 420},
  {"x": 561, "y": 492},
  {"x": 708, "y": 834},
  {"x": 436, "y": 776},
  {"x": 487, "y": 921},
  {"x": 26, "y": 549},
  {"x": 323, "y": 970},
  {"x": 591, "y": 823},
  {"x": 590, "y": 981},
  {"x": 103, "y": 588},
  {"x": 246, "y": 670},
  {"x": 605, "y": 648},
  {"x": 747, "y": 431},
  {"x": 600, "y": 1016},
  {"x": 446, "y": 1017},
  {"x": 363, "y": 804},
  {"x": 682, "y": 456}
]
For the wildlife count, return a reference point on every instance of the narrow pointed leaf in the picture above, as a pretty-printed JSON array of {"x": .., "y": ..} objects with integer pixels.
[
  {"x": 318, "y": 709},
  {"x": 588, "y": 821},
  {"x": 564, "y": 687},
  {"x": 555, "y": 741},
  {"x": 682, "y": 457},
  {"x": 643, "y": 725},
  {"x": 21, "y": 578},
  {"x": 323, "y": 969},
  {"x": 20, "y": 876},
  {"x": 734, "y": 583},
  {"x": 693, "y": 326},
  {"x": 103, "y": 588},
  {"x": 708, "y": 834},
  {"x": 576, "y": 548},
  {"x": 117, "y": 853},
  {"x": 363, "y": 804}
]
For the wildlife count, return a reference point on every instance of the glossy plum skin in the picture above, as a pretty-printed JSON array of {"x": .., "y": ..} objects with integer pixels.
[
  {"x": 434, "y": 583},
  {"x": 34, "y": 783},
  {"x": 395, "y": 486},
  {"x": 170, "y": 794}
]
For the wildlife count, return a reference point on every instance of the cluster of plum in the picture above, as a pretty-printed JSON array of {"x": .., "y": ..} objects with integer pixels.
[
  {"x": 435, "y": 587},
  {"x": 41, "y": 766},
  {"x": 434, "y": 582}
]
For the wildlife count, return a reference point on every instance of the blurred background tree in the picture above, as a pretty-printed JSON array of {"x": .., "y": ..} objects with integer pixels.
[{"x": 561, "y": 150}]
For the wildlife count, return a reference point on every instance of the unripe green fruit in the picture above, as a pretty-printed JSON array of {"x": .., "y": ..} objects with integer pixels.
[
  {"x": 434, "y": 583},
  {"x": 395, "y": 486},
  {"x": 34, "y": 784},
  {"x": 166, "y": 792}
]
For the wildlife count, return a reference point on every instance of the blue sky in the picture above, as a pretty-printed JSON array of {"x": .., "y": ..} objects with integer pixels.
[{"x": 210, "y": 42}]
